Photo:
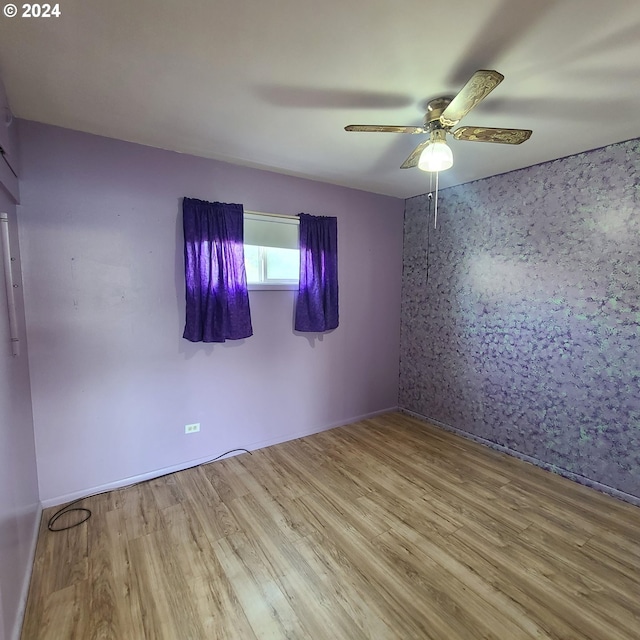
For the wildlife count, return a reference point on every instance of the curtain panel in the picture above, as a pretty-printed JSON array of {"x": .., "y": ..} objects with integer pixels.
[
  {"x": 217, "y": 300},
  {"x": 317, "y": 302}
]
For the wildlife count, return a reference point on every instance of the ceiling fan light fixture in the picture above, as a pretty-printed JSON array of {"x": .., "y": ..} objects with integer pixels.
[
  {"x": 437, "y": 155},
  {"x": 444, "y": 113}
]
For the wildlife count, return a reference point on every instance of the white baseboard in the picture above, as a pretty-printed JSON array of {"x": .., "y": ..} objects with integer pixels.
[
  {"x": 24, "y": 592},
  {"x": 308, "y": 432},
  {"x": 576, "y": 477},
  {"x": 156, "y": 473}
]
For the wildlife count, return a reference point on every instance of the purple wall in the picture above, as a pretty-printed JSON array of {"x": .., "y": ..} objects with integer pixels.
[
  {"x": 527, "y": 332},
  {"x": 19, "y": 505},
  {"x": 113, "y": 381}
]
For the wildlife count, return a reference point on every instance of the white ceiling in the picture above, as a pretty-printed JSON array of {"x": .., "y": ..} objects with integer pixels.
[{"x": 272, "y": 83}]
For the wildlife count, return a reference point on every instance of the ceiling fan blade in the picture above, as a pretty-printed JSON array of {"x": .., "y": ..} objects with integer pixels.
[
  {"x": 378, "y": 128},
  {"x": 478, "y": 87},
  {"x": 412, "y": 160},
  {"x": 487, "y": 134}
]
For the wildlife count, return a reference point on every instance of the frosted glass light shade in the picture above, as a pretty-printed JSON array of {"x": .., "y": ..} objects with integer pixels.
[{"x": 437, "y": 156}]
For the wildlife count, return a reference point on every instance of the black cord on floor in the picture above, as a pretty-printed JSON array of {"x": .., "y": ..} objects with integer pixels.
[{"x": 87, "y": 512}]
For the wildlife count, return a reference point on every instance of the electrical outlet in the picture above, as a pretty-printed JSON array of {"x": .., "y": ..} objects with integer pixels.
[{"x": 192, "y": 428}]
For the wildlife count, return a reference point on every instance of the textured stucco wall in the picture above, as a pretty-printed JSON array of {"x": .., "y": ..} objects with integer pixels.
[{"x": 526, "y": 331}]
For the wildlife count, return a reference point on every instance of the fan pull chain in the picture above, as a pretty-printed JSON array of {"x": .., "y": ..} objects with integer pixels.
[
  {"x": 435, "y": 217},
  {"x": 432, "y": 198},
  {"x": 431, "y": 190}
]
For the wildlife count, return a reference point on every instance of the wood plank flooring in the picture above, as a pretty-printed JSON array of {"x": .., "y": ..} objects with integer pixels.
[{"x": 385, "y": 529}]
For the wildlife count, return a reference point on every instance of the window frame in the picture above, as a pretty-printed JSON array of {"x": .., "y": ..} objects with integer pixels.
[{"x": 273, "y": 285}]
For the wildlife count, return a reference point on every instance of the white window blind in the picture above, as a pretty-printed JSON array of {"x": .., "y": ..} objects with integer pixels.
[{"x": 263, "y": 230}]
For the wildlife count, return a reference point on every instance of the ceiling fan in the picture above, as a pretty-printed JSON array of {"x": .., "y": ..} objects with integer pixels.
[{"x": 443, "y": 114}]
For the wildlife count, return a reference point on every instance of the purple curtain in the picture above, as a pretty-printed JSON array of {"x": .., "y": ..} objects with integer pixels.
[
  {"x": 216, "y": 282},
  {"x": 317, "y": 303}
]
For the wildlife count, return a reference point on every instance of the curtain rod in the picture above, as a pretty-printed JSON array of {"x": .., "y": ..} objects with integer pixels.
[{"x": 272, "y": 215}]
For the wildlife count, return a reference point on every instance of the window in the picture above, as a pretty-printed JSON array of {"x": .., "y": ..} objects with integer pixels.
[{"x": 271, "y": 251}]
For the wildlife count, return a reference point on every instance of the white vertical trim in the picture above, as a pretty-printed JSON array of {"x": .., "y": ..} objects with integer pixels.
[
  {"x": 24, "y": 593},
  {"x": 8, "y": 280}
]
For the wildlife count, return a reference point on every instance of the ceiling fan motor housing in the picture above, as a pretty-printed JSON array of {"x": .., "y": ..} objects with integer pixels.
[{"x": 434, "y": 111}]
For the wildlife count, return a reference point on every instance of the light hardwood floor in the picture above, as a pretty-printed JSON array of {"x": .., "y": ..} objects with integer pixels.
[{"x": 388, "y": 528}]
